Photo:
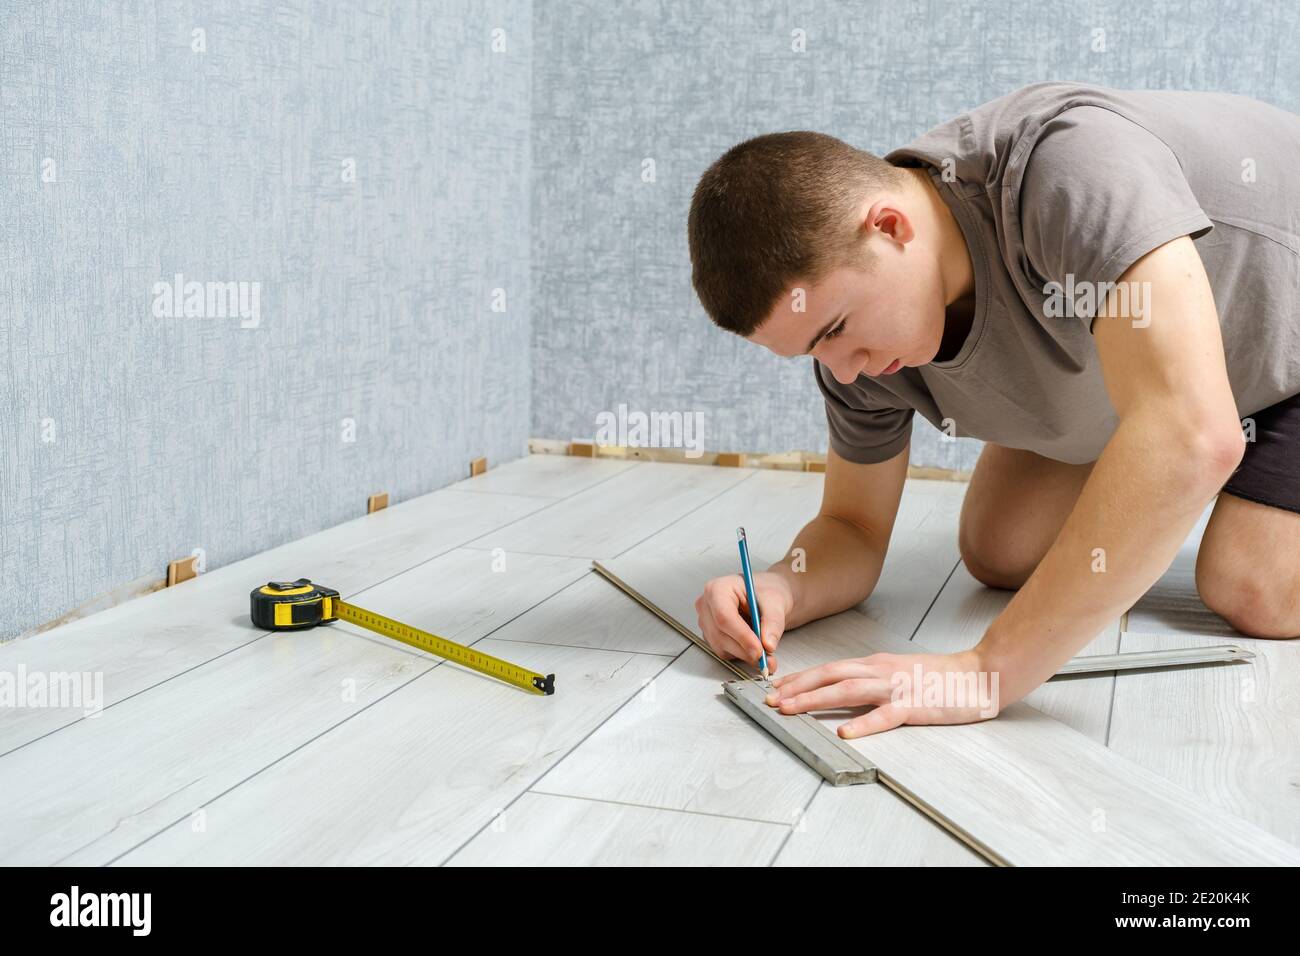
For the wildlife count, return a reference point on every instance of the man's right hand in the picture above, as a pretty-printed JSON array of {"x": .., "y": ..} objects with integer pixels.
[{"x": 724, "y": 616}]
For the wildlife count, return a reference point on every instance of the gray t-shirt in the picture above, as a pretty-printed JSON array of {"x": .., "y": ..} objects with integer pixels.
[{"x": 1072, "y": 184}]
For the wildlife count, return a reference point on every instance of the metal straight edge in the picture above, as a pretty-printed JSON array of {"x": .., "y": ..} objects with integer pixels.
[
  {"x": 804, "y": 736},
  {"x": 1175, "y": 657}
]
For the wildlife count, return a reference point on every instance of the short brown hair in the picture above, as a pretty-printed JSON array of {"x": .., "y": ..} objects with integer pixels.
[{"x": 774, "y": 209}]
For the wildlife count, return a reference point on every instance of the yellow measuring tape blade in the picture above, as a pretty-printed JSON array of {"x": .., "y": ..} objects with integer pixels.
[{"x": 465, "y": 656}]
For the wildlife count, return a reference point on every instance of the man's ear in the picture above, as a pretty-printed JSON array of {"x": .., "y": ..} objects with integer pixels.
[{"x": 885, "y": 217}]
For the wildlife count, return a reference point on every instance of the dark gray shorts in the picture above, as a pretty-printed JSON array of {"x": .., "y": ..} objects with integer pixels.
[{"x": 1270, "y": 470}]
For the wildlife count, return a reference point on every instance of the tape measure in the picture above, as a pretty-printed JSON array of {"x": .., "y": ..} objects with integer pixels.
[{"x": 297, "y": 605}]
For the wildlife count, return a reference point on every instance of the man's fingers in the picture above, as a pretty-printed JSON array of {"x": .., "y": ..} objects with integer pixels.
[
  {"x": 732, "y": 650},
  {"x": 724, "y": 646},
  {"x": 814, "y": 677},
  {"x": 773, "y": 624},
  {"x": 885, "y": 717},
  {"x": 728, "y": 648},
  {"x": 845, "y": 693},
  {"x": 728, "y": 623}
]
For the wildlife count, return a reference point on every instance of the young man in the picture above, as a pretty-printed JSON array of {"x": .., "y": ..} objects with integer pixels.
[{"x": 1102, "y": 285}]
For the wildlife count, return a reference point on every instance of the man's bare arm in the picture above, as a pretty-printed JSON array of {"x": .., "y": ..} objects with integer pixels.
[
  {"x": 844, "y": 547},
  {"x": 1178, "y": 441}
]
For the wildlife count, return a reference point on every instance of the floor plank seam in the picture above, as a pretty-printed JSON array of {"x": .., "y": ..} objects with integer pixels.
[
  {"x": 535, "y": 554},
  {"x": 781, "y": 849},
  {"x": 553, "y": 502},
  {"x": 512, "y": 494},
  {"x": 565, "y": 757},
  {"x": 687, "y": 514},
  {"x": 1114, "y": 681},
  {"x": 595, "y": 484},
  {"x": 601, "y": 481},
  {"x": 466, "y": 543},
  {"x": 917, "y": 630},
  {"x": 584, "y": 647},
  {"x": 649, "y": 806}
]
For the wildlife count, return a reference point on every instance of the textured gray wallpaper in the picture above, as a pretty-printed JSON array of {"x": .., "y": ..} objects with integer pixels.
[
  {"x": 360, "y": 197},
  {"x": 366, "y": 163},
  {"x": 615, "y": 319}
]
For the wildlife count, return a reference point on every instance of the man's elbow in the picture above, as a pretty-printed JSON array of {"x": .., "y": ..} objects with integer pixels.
[
  {"x": 1210, "y": 451},
  {"x": 1196, "y": 452}
]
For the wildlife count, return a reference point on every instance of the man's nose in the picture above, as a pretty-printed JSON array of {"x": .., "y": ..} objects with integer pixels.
[{"x": 846, "y": 370}]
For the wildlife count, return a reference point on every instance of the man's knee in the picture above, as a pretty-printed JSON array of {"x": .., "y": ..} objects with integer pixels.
[
  {"x": 1244, "y": 596},
  {"x": 994, "y": 564},
  {"x": 1014, "y": 507}
]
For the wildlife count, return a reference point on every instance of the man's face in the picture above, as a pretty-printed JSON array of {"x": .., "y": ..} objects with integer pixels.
[{"x": 870, "y": 322}]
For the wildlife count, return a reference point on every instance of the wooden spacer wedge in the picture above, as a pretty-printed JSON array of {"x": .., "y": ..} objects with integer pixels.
[{"x": 182, "y": 570}]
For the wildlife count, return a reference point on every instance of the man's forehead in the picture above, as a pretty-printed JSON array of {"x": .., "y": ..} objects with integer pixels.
[{"x": 793, "y": 322}]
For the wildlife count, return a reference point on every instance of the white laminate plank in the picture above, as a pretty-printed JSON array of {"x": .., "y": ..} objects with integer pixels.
[
  {"x": 544, "y": 830},
  {"x": 870, "y": 826},
  {"x": 546, "y": 476},
  {"x": 614, "y": 515},
  {"x": 680, "y": 745},
  {"x": 1026, "y": 788},
  {"x": 92, "y": 790},
  {"x": 1228, "y": 733},
  {"x": 412, "y": 778},
  {"x": 150, "y": 639},
  {"x": 963, "y": 612},
  {"x": 579, "y": 616}
]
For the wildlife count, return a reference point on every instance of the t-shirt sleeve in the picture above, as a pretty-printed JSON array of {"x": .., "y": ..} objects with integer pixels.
[
  {"x": 1098, "y": 193},
  {"x": 861, "y": 428}
]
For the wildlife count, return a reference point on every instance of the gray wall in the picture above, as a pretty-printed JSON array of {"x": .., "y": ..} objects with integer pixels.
[
  {"x": 615, "y": 319},
  {"x": 127, "y": 439}
]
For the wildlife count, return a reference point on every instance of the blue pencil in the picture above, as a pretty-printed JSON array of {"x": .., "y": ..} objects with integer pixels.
[{"x": 752, "y": 598}]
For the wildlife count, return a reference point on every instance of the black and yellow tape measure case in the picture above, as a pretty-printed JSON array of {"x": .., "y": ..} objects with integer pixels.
[
  {"x": 293, "y": 605},
  {"x": 298, "y": 605}
]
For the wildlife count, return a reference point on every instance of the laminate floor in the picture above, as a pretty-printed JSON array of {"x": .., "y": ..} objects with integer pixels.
[{"x": 219, "y": 743}]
